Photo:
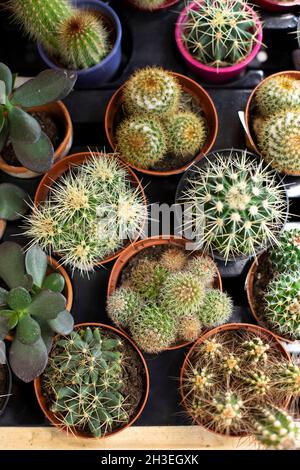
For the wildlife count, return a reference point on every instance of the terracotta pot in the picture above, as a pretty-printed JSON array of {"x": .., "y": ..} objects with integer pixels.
[
  {"x": 166, "y": 4},
  {"x": 8, "y": 388},
  {"x": 137, "y": 248},
  {"x": 188, "y": 86},
  {"x": 59, "y": 111},
  {"x": 259, "y": 331},
  {"x": 272, "y": 5},
  {"x": 64, "y": 166},
  {"x": 250, "y": 137},
  {"x": 2, "y": 227},
  {"x": 57, "y": 423}
]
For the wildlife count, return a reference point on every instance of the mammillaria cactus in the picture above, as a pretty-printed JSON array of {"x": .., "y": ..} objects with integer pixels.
[
  {"x": 220, "y": 33},
  {"x": 283, "y": 304},
  {"x": 278, "y": 93},
  {"x": 122, "y": 305},
  {"x": 275, "y": 429},
  {"x": 189, "y": 328},
  {"x": 147, "y": 278},
  {"x": 182, "y": 294},
  {"x": 286, "y": 378},
  {"x": 187, "y": 133},
  {"x": 173, "y": 259},
  {"x": 216, "y": 309},
  {"x": 238, "y": 205},
  {"x": 204, "y": 268},
  {"x": 255, "y": 350},
  {"x": 148, "y": 4},
  {"x": 286, "y": 256}
]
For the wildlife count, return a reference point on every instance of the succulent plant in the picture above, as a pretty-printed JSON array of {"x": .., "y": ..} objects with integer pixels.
[
  {"x": 220, "y": 33},
  {"x": 275, "y": 429},
  {"x": 32, "y": 305},
  {"x": 227, "y": 411},
  {"x": 201, "y": 380},
  {"x": 141, "y": 140},
  {"x": 258, "y": 382},
  {"x": 91, "y": 211},
  {"x": 237, "y": 205},
  {"x": 152, "y": 90},
  {"x": 216, "y": 309},
  {"x": 31, "y": 145},
  {"x": 148, "y": 4},
  {"x": 255, "y": 350},
  {"x": 122, "y": 305},
  {"x": 286, "y": 378},
  {"x": 204, "y": 268},
  {"x": 286, "y": 256},
  {"x": 278, "y": 93},
  {"x": 278, "y": 140},
  {"x": 173, "y": 259},
  {"x": 12, "y": 201},
  {"x": 230, "y": 364},
  {"x": 147, "y": 277},
  {"x": 189, "y": 328},
  {"x": 85, "y": 378},
  {"x": 211, "y": 349},
  {"x": 282, "y": 309},
  {"x": 187, "y": 133}
]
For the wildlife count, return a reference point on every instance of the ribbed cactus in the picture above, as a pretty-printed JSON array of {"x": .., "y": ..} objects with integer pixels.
[
  {"x": 258, "y": 382},
  {"x": 283, "y": 304},
  {"x": 173, "y": 259},
  {"x": 189, "y": 328},
  {"x": 142, "y": 141},
  {"x": 220, "y": 33},
  {"x": 152, "y": 90},
  {"x": 147, "y": 277},
  {"x": 216, "y": 309},
  {"x": 187, "y": 133},
  {"x": 148, "y": 4},
  {"x": 255, "y": 350},
  {"x": 122, "y": 305},
  {"x": 278, "y": 140},
  {"x": 286, "y": 378},
  {"x": 286, "y": 256},
  {"x": 204, "y": 268},
  {"x": 238, "y": 205},
  {"x": 278, "y": 93},
  {"x": 275, "y": 429}
]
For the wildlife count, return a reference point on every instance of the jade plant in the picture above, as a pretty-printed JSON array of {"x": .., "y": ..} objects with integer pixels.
[
  {"x": 78, "y": 38},
  {"x": 236, "y": 202},
  {"x": 31, "y": 145},
  {"x": 32, "y": 309},
  {"x": 286, "y": 256},
  {"x": 13, "y": 203},
  {"x": 220, "y": 33},
  {"x": 91, "y": 211}
]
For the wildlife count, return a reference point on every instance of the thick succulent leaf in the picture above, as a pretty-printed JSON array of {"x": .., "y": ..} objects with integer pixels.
[
  {"x": 13, "y": 320},
  {"x": 23, "y": 127},
  {"x": 6, "y": 77},
  {"x": 63, "y": 324},
  {"x": 37, "y": 157},
  {"x": 3, "y": 297},
  {"x": 28, "y": 361},
  {"x": 2, "y": 92},
  {"x": 2, "y": 353},
  {"x": 48, "y": 86},
  {"x": 4, "y": 329},
  {"x": 54, "y": 282},
  {"x": 12, "y": 266},
  {"x": 18, "y": 299},
  {"x": 12, "y": 201},
  {"x": 3, "y": 134},
  {"x": 6, "y": 313},
  {"x": 28, "y": 330},
  {"x": 47, "y": 305},
  {"x": 36, "y": 264},
  {"x": 46, "y": 332}
]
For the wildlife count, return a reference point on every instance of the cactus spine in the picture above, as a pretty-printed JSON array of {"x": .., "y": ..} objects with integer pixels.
[
  {"x": 255, "y": 350},
  {"x": 275, "y": 429},
  {"x": 278, "y": 93},
  {"x": 286, "y": 257},
  {"x": 286, "y": 378},
  {"x": 187, "y": 133}
]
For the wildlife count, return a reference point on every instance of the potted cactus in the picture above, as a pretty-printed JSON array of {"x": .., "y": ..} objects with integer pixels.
[
  {"x": 230, "y": 383},
  {"x": 35, "y": 127},
  {"x": 160, "y": 121},
  {"x": 273, "y": 284},
  {"x": 277, "y": 5},
  {"x": 13, "y": 204},
  {"x": 96, "y": 383},
  {"x": 165, "y": 296},
  {"x": 152, "y": 5},
  {"x": 238, "y": 205},
  {"x": 218, "y": 38},
  {"x": 81, "y": 35},
  {"x": 33, "y": 307},
  {"x": 273, "y": 121},
  {"x": 87, "y": 208}
]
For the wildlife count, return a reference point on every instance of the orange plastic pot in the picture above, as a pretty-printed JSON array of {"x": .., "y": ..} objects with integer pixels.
[
  {"x": 53, "y": 418},
  {"x": 2, "y": 227},
  {"x": 137, "y": 248},
  {"x": 188, "y": 86}
]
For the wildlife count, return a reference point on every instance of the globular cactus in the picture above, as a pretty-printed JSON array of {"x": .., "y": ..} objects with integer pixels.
[
  {"x": 122, "y": 306},
  {"x": 204, "y": 268},
  {"x": 286, "y": 256},
  {"x": 200, "y": 380},
  {"x": 257, "y": 382},
  {"x": 152, "y": 90},
  {"x": 286, "y": 378},
  {"x": 147, "y": 277},
  {"x": 141, "y": 141},
  {"x": 187, "y": 133},
  {"x": 220, "y": 33},
  {"x": 211, "y": 349},
  {"x": 238, "y": 205},
  {"x": 278, "y": 140},
  {"x": 173, "y": 259},
  {"x": 283, "y": 304},
  {"x": 278, "y": 93},
  {"x": 230, "y": 364},
  {"x": 216, "y": 309},
  {"x": 227, "y": 411},
  {"x": 275, "y": 429},
  {"x": 148, "y": 4},
  {"x": 189, "y": 328},
  {"x": 255, "y": 350}
]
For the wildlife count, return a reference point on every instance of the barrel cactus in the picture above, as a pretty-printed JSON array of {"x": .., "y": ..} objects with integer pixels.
[
  {"x": 122, "y": 305},
  {"x": 187, "y": 133},
  {"x": 286, "y": 256},
  {"x": 275, "y": 429},
  {"x": 204, "y": 268},
  {"x": 278, "y": 93},
  {"x": 148, "y": 4},
  {"x": 216, "y": 309},
  {"x": 173, "y": 259}
]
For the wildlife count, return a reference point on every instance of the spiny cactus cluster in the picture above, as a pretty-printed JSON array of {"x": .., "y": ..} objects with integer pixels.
[
  {"x": 156, "y": 125},
  {"x": 168, "y": 299},
  {"x": 287, "y": 378},
  {"x": 78, "y": 38},
  {"x": 148, "y": 4},
  {"x": 275, "y": 429},
  {"x": 89, "y": 214},
  {"x": 220, "y": 33},
  {"x": 286, "y": 256},
  {"x": 84, "y": 380},
  {"x": 238, "y": 204}
]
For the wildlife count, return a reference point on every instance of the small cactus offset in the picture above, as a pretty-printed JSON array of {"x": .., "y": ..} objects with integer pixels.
[
  {"x": 201, "y": 379},
  {"x": 211, "y": 349},
  {"x": 148, "y": 4},
  {"x": 286, "y": 378},
  {"x": 173, "y": 259},
  {"x": 216, "y": 309},
  {"x": 147, "y": 278},
  {"x": 189, "y": 328},
  {"x": 275, "y": 429},
  {"x": 187, "y": 133},
  {"x": 278, "y": 93},
  {"x": 204, "y": 268},
  {"x": 227, "y": 411},
  {"x": 230, "y": 364},
  {"x": 122, "y": 305},
  {"x": 286, "y": 256},
  {"x": 255, "y": 350}
]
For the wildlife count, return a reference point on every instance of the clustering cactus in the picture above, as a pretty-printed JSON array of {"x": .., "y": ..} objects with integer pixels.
[
  {"x": 255, "y": 350},
  {"x": 189, "y": 328},
  {"x": 122, "y": 306},
  {"x": 204, "y": 268},
  {"x": 91, "y": 211},
  {"x": 220, "y": 33},
  {"x": 187, "y": 133},
  {"x": 216, "y": 308},
  {"x": 147, "y": 278},
  {"x": 238, "y": 205},
  {"x": 12, "y": 201},
  {"x": 286, "y": 256},
  {"x": 286, "y": 378},
  {"x": 148, "y": 4},
  {"x": 278, "y": 93},
  {"x": 174, "y": 259},
  {"x": 275, "y": 429}
]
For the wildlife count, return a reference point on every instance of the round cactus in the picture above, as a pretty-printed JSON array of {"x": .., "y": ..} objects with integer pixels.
[
  {"x": 141, "y": 141},
  {"x": 189, "y": 328},
  {"x": 147, "y": 277},
  {"x": 275, "y": 429},
  {"x": 227, "y": 411},
  {"x": 255, "y": 350},
  {"x": 283, "y": 304},
  {"x": 278, "y": 93},
  {"x": 187, "y": 133},
  {"x": 216, "y": 309},
  {"x": 122, "y": 306},
  {"x": 173, "y": 259},
  {"x": 278, "y": 140},
  {"x": 286, "y": 378},
  {"x": 148, "y": 4},
  {"x": 286, "y": 256},
  {"x": 204, "y": 268},
  {"x": 201, "y": 380},
  {"x": 152, "y": 90},
  {"x": 257, "y": 382}
]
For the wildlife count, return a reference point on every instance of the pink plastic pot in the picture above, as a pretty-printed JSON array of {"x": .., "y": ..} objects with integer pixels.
[
  {"x": 212, "y": 74},
  {"x": 272, "y": 5}
]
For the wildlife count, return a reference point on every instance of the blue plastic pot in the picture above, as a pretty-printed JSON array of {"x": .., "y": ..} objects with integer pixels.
[{"x": 95, "y": 76}]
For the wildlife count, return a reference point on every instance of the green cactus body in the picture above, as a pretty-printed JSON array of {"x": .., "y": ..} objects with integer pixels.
[
  {"x": 230, "y": 364},
  {"x": 286, "y": 256},
  {"x": 204, "y": 268},
  {"x": 278, "y": 140},
  {"x": 152, "y": 90},
  {"x": 122, "y": 306},
  {"x": 187, "y": 133},
  {"x": 283, "y": 304},
  {"x": 211, "y": 349},
  {"x": 189, "y": 328},
  {"x": 278, "y": 93},
  {"x": 219, "y": 33},
  {"x": 216, "y": 309},
  {"x": 286, "y": 378},
  {"x": 173, "y": 259},
  {"x": 141, "y": 141},
  {"x": 182, "y": 294},
  {"x": 202, "y": 380},
  {"x": 147, "y": 277},
  {"x": 255, "y": 350},
  {"x": 227, "y": 410},
  {"x": 148, "y": 4},
  {"x": 275, "y": 429},
  {"x": 257, "y": 382}
]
